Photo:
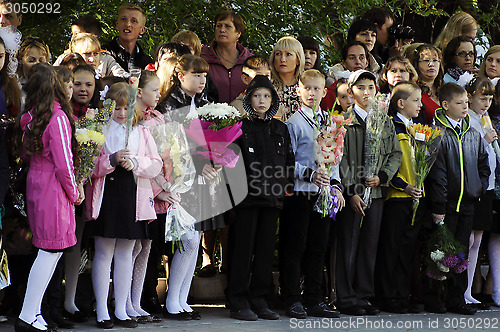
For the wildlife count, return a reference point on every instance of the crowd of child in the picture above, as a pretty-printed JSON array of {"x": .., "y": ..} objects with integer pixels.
[{"x": 372, "y": 254}]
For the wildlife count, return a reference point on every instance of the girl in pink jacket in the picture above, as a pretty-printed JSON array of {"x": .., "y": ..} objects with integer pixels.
[
  {"x": 121, "y": 200},
  {"x": 49, "y": 146}
]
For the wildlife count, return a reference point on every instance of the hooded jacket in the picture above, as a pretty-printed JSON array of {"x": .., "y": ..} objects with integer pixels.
[
  {"x": 267, "y": 152},
  {"x": 228, "y": 81},
  {"x": 460, "y": 173}
]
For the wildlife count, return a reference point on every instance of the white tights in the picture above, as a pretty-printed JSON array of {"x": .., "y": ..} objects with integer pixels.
[
  {"x": 38, "y": 280},
  {"x": 139, "y": 262},
  {"x": 105, "y": 249},
  {"x": 474, "y": 244},
  {"x": 181, "y": 275},
  {"x": 494, "y": 254}
]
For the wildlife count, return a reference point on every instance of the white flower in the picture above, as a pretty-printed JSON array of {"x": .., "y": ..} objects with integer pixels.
[
  {"x": 437, "y": 255},
  {"x": 220, "y": 111},
  {"x": 442, "y": 267}
]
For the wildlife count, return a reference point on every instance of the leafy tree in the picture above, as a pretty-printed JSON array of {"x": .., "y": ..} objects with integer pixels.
[{"x": 266, "y": 21}]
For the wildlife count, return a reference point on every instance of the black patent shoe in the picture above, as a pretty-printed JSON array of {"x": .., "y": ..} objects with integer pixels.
[
  {"x": 22, "y": 326},
  {"x": 322, "y": 310},
  {"x": 76, "y": 317},
  {"x": 195, "y": 315},
  {"x": 128, "y": 323},
  {"x": 183, "y": 315},
  {"x": 296, "y": 310},
  {"x": 105, "y": 324}
]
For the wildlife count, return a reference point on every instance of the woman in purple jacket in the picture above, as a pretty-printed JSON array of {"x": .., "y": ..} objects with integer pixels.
[
  {"x": 225, "y": 56},
  {"x": 49, "y": 145}
]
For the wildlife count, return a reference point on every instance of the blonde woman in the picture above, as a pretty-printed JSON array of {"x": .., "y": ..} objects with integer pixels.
[
  {"x": 287, "y": 63},
  {"x": 190, "y": 39},
  {"x": 459, "y": 24}
]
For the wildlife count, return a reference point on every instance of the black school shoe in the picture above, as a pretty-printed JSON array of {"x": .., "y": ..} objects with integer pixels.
[
  {"x": 393, "y": 306},
  {"x": 76, "y": 317},
  {"x": 436, "y": 308},
  {"x": 268, "y": 314},
  {"x": 180, "y": 316},
  {"x": 322, "y": 310},
  {"x": 462, "y": 309},
  {"x": 105, "y": 324},
  {"x": 128, "y": 323},
  {"x": 353, "y": 310},
  {"x": 296, "y": 310},
  {"x": 244, "y": 314},
  {"x": 21, "y": 326}
]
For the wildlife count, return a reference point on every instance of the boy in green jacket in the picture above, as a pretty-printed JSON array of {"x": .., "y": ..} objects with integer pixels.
[{"x": 358, "y": 229}]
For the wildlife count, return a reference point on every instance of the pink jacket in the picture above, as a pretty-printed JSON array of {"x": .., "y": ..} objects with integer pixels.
[
  {"x": 149, "y": 165},
  {"x": 228, "y": 81},
  {"x": 154, "y": 118},
  {"x": 51, "y": 188}
]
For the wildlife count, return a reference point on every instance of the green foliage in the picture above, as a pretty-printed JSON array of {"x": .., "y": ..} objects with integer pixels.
[{"x": 266, "y": 21}]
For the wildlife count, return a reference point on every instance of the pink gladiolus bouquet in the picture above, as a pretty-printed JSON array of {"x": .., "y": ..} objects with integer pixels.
[{"x": 329, "y": 149}]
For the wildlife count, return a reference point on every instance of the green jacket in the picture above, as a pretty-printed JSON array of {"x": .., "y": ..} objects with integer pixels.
[{"x": 352, "y": 165}]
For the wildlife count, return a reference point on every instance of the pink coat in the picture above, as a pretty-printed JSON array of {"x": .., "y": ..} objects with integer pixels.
[
  {"x": 149, "y": 165},
  {"x": 51, "y": 188}
]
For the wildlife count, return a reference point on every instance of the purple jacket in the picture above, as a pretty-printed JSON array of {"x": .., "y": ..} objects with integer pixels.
[
  {"x": 51, "y": 188},
  {"x": 228, "y": 81}
]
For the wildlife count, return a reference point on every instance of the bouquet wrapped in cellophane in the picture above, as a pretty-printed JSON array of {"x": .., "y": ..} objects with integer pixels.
[
  {"x": 375, "y": 123},
  {"x": 425, "y": 142},
  {"x": 216, "y": 126},
  {"x": 91, "y": 135},
  {"x": 487, "y": 125},
  {"x": 444, "y": 254},
  {"x": 177, "y": 177},
  {"x": 329, "y": 149}
]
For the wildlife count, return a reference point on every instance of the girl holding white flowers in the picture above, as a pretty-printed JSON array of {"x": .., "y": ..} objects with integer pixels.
[
  {"x": 120, "y": 199},
  {"x": 180, "y": 104}
]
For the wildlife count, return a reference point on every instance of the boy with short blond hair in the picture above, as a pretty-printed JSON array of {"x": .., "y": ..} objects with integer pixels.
[
  {"x": 303, "y": 232},
  {"x": 457, "y": 179},
  {"x": 358, "y": 227},
  {"x": 252, "y": 66},
  {"x": 130, "y": 24}
]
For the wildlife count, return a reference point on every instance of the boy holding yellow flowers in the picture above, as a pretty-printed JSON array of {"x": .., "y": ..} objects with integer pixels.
[{"x": 398, "y": 234}]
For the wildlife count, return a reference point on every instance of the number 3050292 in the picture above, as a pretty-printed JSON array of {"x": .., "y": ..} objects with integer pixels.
[{"x": 33, "y": 8}]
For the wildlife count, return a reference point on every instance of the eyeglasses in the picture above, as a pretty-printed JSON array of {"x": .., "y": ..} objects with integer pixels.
[
  {"x": 429, "y": 61},
  {"x": 464, "y": 54}
]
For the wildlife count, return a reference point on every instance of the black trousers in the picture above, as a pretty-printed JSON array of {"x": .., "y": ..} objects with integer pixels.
[
  {"x": 396, "y": 249},
  {"x": 357, "y": 240},
  {"x": 303, "y": 239},
  {"x": 460, "y": 225},
  {"x": 254, "y": 234}
]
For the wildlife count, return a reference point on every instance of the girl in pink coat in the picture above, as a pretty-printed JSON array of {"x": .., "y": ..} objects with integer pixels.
[
  {"x": 49, "y": 146},
  {"x": 121, "y": 201}
]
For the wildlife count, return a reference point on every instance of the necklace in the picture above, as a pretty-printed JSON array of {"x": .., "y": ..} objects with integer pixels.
[{"x": 228, "y": 61}]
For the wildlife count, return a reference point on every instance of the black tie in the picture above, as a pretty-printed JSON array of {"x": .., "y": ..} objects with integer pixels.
[{"x": 457, "y": 129}]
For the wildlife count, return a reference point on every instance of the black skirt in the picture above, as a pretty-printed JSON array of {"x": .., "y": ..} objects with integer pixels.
[
  {"x": 483, "y": 212},
  {"x": 118, "y": 210}
]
